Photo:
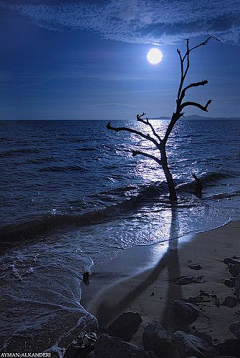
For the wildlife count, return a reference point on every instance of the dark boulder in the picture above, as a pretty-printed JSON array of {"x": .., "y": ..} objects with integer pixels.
[
  {"x": 86, "y": 278},
  {"x": 113, "y": 347},
  {"x": 190, "y": 345},
  {"x": 185, "y": 311},
  {"x": 206, "y": 337},
  {"x": 235, "y": 329},
  {"x": 230, "y": 301},
  {"x": 195, "y": 267},
  {"x": 229, "y": 260},
  {"x": 234, "y": 269},
  {"x": 155, "y": 338},
  {"x": 81, "y": 346},
  {"x": 125, "y": 326},
  {"x": 237, "y": 286},
  {"x": 229, "y": 282}
]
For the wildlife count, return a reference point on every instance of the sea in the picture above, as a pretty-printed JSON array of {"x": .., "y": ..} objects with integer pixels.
[{"x": 73, "y": 196}]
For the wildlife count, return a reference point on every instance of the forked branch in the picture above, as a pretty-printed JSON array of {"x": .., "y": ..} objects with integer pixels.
[
  {"x": 146, "y": 121},
  {"x": 186, "y": 58},
  {"x": 198, "y": 105},
  {"x": 195, "y": 84},
  {"x": 140, "y": 134}
]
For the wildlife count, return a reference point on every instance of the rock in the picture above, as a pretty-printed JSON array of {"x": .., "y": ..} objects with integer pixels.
[
  {"x": 230, "y": 301},
  {"x": 185, "y": 280},
  {"x": 194, "y": 300},
  {"x": 237, "y": 286},
  {"x": 206, "y": 337},
  {"x": 229, "y": 282},
  {"x": 82, "y": 346},
  {"x": 86, "y": 278},
  {"x": 228, "y": 347},
  {"x": 155, "y": 338},
  {"x": 186, "y": 311},
  {"x": 195, "y": 267},
  {"x": 113, "y": 347},
  {"x": 189, "y": 344},
  {"x": 205, "y": 293},
  {"x": 235, "y": 329},
  {"x": 74, "y": 351},
  {"x": 229, "y": 260},
  {"x": 234, "y": 269},
  {"x": 125, "y": 326}
]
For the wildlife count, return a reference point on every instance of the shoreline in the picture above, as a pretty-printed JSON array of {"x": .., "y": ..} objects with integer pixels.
[{"x": 148, "y": 287}]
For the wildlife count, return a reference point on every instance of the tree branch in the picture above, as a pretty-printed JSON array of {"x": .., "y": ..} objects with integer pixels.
[
  {"x": 188, "y": 59},
  {"x": 147, "y": 137},
  {"x": 185, "y": 62},
  {"x": 140, "y": 119},
  {"x": 195, "y": 84},
  {"x": 136, "y": 152},
  {"x": 199, "y": 45},
  {"x": 182, "y": 73},
  {"x": 181, "y": 61},
  {"x": 203, "y": 108}
]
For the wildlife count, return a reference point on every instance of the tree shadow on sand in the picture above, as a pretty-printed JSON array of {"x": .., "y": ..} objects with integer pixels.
[{"x": 106, "y": 312}]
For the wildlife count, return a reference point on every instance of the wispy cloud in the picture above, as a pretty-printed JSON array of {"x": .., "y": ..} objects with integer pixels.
[{"x": 139, "y": 21}]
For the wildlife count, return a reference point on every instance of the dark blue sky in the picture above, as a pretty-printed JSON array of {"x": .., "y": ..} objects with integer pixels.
[{"x": 87, "y": 59}]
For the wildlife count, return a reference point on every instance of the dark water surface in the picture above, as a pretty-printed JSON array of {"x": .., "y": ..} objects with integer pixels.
[{"x": 72, "y": 194}]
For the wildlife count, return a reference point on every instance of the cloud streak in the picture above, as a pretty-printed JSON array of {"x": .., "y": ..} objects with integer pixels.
[{"x": 139, "y": 21}]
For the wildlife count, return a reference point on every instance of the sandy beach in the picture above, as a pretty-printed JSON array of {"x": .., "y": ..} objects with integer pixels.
[{"x": 142, "y": 279}]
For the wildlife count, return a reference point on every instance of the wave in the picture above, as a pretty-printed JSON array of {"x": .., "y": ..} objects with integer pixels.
[
  {"x": 191, "y": 136},
  {"x": 138, "y": 197},
  {"x": 225, "y": 195},
  {"x": 207, "y": 178},
  {"x": 120, "y": 190},
  {"x": 78, "y": 140},
  {"x": 86, "y": 149},
  {"x": 10, "y": 153},
  {"x": 41, "y": 160},
  {"x": 48, "y": 223},
  {"x": 63, "y": 169},
  {"x": 215, "y": 176}
]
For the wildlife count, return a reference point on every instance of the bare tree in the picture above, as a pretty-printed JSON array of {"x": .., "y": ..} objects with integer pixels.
[{"x": 161, "y": 141}]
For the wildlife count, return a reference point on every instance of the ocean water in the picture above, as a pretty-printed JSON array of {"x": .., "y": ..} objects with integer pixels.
[{"x": 72, "y": 196}]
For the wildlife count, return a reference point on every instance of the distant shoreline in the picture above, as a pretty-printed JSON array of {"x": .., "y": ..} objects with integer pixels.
[{"x": 185, "y": 118}]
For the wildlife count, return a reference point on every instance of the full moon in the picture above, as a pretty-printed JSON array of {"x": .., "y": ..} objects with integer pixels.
[{"x": 154, "y": 56}]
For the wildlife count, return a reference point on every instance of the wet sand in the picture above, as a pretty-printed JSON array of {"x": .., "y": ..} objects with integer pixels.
[{"x": 141, "y": 280}]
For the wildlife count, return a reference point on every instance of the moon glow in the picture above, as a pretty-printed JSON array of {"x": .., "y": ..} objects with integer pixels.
[{"x": 154, "y": 56}]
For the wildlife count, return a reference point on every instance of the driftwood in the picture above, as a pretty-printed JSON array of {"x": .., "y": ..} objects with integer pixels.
[
  {"x": 198, "y": 186},
  {"x": 160, "y": 141}
]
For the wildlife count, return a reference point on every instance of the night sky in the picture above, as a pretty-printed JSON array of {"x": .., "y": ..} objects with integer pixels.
[{"x": 87, "y": 59}]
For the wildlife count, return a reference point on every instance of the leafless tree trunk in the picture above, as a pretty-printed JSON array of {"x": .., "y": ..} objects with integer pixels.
[{"x": 161, "y": 142}]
